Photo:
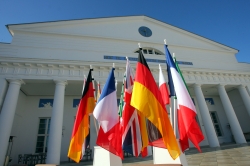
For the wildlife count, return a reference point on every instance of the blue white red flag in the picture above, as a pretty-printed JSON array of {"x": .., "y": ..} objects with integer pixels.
[
  {"x": 109, "y": 135},
  {"x": 187, "y": 125},
  {"x": 106, "y": 108}
]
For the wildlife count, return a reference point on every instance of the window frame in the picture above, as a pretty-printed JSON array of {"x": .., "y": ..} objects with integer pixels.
[
  {"x": 216, "y": 124},
  {"x": 147, "y": 49},
  {"x": 45, "y": 134}
]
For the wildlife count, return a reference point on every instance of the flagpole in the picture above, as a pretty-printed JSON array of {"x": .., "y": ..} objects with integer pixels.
[
  {"x": 93, "y": 82},
  {"x": 172, "y": 115},
  {"x": 175, "y": 110}
]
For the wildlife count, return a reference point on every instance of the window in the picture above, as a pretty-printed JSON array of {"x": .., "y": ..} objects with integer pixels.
[
  {"x": 43, "y": 135},
  {"x": 216, "y": 124},
  {"x": 150, "y": 51}
]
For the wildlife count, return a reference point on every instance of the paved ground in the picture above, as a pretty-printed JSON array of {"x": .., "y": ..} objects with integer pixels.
[{"x": 226, "y": 155}]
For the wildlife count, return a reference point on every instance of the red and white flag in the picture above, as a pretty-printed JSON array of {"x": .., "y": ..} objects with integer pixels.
[{"x": 163, "y": 87}]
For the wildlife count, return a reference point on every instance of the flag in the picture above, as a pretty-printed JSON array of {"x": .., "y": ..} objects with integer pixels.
[
  {"x": 146, "y": 98},
  {"x": 144, "y": 134},
  {"x": 121, "y": 102},
  {"x": 187, "y": 125},
  {"x": 130, "y": 128},
  {"x": 179, "y": 70},
  {"x": 163, "y": 87},
  {"x": 109, "y": 135},
  {"x": 81, "y": 126},
  {"x": 106, "y": 108}
]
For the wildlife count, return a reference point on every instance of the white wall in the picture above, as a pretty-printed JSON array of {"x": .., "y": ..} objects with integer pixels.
[
  {"x": 26, "y": 123},
  {"x": 240, "y": 110},
  {"x": 63, "y": 47}
]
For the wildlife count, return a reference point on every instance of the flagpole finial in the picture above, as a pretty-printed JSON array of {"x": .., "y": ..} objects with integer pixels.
[
  {"x": 165, "y": 41},
  {"x": 116, "y": 82},
  {"x": 139, "y": 44},
  {"x": 159, "y": 66},
  {"x": 173, "y": 55}
]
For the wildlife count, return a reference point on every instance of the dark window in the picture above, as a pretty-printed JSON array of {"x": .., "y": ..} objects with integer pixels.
[
  {"x": 43, "y": 135},
  {"x": 216, "y": 124}
]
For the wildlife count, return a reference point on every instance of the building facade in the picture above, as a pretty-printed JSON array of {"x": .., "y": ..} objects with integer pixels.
[{"x": 42, "y": 71}]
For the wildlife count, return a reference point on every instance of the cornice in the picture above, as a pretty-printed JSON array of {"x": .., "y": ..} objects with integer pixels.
[{"x": 76, "y": 71}]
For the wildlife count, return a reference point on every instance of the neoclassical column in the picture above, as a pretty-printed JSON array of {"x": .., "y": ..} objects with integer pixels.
[
  {"x": 248, "y": 89},
  {"x": 245, "y": 97},
  {"x": 3, "y": 89},
  {"x": 55, "y": 133},
  {"x": 7, "y": 116},
  {"x": 231, "y": 116},
  {"x": 206, "y": 118}
]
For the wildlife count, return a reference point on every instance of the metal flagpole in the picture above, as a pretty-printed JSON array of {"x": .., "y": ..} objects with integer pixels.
[
  {"x": 93, "y": 82},
  {"x": 175, "y": 112}
]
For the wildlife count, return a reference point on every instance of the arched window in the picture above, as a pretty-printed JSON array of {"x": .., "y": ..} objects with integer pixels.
[{"x": 150, "y": 51}]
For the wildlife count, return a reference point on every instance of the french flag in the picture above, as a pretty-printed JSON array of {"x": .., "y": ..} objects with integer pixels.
[
  {"x": 187, "y": 125},
  {"x": 131, "y": 135},
  {"x": 106, "y": 108},
  {"x": 109, "y": 135}
]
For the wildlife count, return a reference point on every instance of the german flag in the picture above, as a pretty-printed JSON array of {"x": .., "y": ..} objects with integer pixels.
[
  {"x": 146, "y": 98},
  {"x": 81, "y": 125}
]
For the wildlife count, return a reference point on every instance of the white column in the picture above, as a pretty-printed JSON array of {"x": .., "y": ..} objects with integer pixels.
[
  {"x": 55, "y": 133},
  {"x": 231, "y": 116},
  {"x": 3, "y": 89},
  {"x": 7, "y": 116},
  {"x": 206, "y": 118},
  {"x": 248, "y": 89},
  {"x": 245, "y": 97}
]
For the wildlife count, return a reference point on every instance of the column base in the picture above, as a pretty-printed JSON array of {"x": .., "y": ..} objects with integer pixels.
[
  {"x": 162, "y": 156},
  {"x": 103, "y": 157}
]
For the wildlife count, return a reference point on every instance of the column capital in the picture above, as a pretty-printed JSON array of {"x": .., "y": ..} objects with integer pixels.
[
  {"x": 241, "y": 86},
  {"x": 15, "y": 81},
  {"x": 62, "y": 82},
  {"x": 221, "y": 85},
  {"x": 197, "y": 85}
]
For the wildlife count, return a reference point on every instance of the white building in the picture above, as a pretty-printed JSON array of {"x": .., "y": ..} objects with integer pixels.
[{"x": 45, "y": 63}]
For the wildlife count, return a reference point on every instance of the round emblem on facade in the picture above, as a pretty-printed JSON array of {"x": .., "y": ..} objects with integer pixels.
[{"x": 145, "y": 31}]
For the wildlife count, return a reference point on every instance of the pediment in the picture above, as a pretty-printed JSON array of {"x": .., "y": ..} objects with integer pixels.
[{"x": 124, "y": 28}]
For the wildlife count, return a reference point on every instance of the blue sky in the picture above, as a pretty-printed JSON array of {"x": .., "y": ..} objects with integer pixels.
[{"x": 223, "y": 21}]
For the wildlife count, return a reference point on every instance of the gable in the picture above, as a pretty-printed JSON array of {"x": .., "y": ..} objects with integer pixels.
[{"x": 125, "y": 28}]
